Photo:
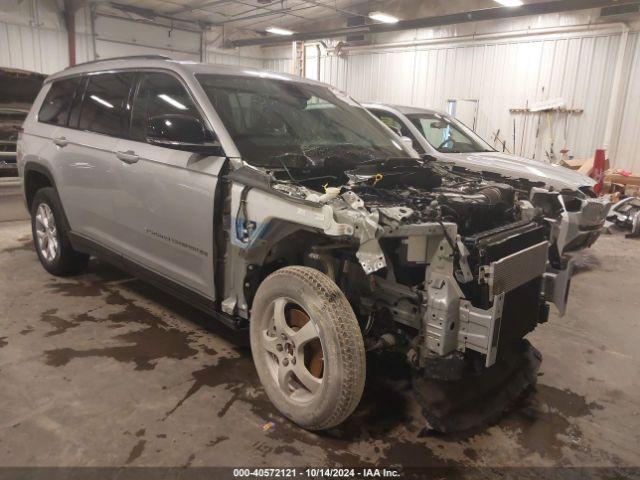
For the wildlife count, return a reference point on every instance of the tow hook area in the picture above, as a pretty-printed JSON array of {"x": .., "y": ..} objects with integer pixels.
[{"x": 479, "y": 398}]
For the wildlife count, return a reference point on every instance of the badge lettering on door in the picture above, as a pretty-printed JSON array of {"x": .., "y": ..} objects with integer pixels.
[{"x": 175, "y": 241}]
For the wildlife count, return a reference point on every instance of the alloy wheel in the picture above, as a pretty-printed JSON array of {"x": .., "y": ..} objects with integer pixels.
[
  {"x": 47, "y": 233},
  {"x": 294, "y": 352}
]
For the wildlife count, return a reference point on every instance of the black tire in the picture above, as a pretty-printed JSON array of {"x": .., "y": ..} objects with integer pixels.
[
  {"x": 66, "y": 261},
  {"x": 336, "y": 330}
]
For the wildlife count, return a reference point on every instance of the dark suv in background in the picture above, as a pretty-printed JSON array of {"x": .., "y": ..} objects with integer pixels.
[{"x": 18, "y": 90}]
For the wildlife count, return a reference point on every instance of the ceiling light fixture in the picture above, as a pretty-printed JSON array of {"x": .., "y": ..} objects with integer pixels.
[
  {"x": 172, "y": 101},
  {"x": 510, "y": 3},
  {"x": 101, "y": 101},
  {"x": 279, "y": 31},
  {"x": 383, "y": 17}
]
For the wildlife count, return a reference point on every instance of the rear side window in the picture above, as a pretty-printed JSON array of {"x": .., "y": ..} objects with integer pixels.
[
  {"x": 55, "y": 108},
  {"x": 106, "y": 107},
  {"x": 159, "y": 95}
]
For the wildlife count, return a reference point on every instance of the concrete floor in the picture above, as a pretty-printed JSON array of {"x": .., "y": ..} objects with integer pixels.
[{"x": 103, "y": 370}]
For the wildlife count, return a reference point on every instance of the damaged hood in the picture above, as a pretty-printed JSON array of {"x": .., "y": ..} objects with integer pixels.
[{"x": 519, "y": 167}]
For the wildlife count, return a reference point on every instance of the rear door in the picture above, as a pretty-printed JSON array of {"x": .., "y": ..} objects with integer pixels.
[
  {"x": 165, "y": 209},
  {"x": 86, "y": 158},
  {"x": 47, "y": 136}
]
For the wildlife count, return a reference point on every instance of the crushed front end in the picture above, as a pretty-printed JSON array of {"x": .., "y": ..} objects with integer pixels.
[
  {"x": 459, "y": 261},
  {"x": 450, "y": 270},
  {"x": 462, "y": 267}
]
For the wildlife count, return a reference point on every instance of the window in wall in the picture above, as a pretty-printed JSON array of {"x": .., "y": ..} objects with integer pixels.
[
  {"x": 55, "y": 108},
  {"x": 106, "y": 108}
]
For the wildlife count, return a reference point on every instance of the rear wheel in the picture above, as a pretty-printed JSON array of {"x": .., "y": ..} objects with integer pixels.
[
  {"x": 50, "y": 237},
  {"x": 307, "y": 347}
]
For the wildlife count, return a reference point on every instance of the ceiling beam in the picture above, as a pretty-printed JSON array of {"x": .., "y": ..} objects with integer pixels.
[
  {"x": 335, "y": 9},
  {"x": 497, "y": 13},
  {"x": 200, "y": 6}
]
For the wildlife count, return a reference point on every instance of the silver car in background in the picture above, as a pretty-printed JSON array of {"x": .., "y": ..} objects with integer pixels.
[{"x": 574, "y": 216}]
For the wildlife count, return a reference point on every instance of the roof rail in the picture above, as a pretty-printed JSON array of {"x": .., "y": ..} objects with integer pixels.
[{"x": 130, "y": 57}]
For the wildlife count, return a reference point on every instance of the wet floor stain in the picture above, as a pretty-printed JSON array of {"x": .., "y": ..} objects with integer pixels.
[
  {"x": 25, "y": 245},
  {"x": 143, "y": 347},
  {"x": 543, "y": 423},
  {"x": 27, "y": 330},
  {"x": 136, "y": 451},
  {"x": 381, "y": 410},
  {"x": 236, "y": 374},
  {"x": 190, "y": 460},
  {"x": 59, "y": 324},
  {"x": 219, "y": 439}
]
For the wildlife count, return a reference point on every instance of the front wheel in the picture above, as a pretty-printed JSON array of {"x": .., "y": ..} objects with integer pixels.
[{"x": 307, "y": 347}]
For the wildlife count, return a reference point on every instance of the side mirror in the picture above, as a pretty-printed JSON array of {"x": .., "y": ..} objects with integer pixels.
[
  {"x": 407, "y": 141},
  {"x": 182, "y": 132}
]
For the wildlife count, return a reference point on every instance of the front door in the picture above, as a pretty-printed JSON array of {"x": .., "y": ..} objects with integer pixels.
[{"x": 165, "y": 210}]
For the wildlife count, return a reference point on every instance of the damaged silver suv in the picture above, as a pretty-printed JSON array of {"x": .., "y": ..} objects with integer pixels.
[{"x": 281, "y": 205}]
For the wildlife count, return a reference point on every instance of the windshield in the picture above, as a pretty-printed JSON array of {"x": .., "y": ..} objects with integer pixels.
[
  {"x": 448, "y": 135},
  {"x": 275, "y": 119}
]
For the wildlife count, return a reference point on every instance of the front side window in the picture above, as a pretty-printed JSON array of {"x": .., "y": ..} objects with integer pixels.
[
  {"x": 270, "y": 119},
  {"x": 106, "y": 108},
  {"x": 447, "y": 135},
  {"x": 162, "y": 96},
  {"x": 55, "y": 108},
  {"x": 395, "y": 124}
]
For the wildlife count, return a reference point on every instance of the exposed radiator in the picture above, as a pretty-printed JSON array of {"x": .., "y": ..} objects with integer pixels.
[{"x": 516, "y": 269}]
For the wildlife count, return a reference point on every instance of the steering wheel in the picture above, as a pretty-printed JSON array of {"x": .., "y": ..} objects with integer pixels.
[{"x": 448, "y": 140}]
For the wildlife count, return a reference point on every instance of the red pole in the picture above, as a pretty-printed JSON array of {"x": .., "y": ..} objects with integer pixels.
[
  {"x": 598, "y": 170},
  {"x": 70, "y": 21}
]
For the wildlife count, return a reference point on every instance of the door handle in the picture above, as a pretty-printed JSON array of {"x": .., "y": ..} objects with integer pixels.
[
  {"x": 61, "y": 141},
  {"x": 128, "y": 157}
]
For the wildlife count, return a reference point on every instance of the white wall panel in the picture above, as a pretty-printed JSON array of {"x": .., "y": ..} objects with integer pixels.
[
  {"x": 627, "y": 149},
  {"x": 233, "y": 59},
  {"x": 116, "y": 37},
  {"x": 500, "y": 75},
  {"x": 33, "y": 49},
  {"x": 31, "y": 36},
  {"x": 282, "y": 65}
]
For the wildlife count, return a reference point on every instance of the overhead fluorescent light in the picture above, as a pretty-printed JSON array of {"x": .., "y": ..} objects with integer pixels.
[
  {"x": 172, "y": 101},
  {"x": 510, "y": 3},
  {"x": 383, "y": 17},
  {"x": 101, "y": 101},
  {"x": 279, "y": 31}
]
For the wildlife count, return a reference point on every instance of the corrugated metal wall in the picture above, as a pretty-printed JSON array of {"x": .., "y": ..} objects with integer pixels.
[
  {"x": 503, "y": 74},
  {"x": 500, "y": 75},
  {"x": 116, "y": 37},
  {"x": 627, "y": 147},
  {"x": 33, "y": 37}
]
